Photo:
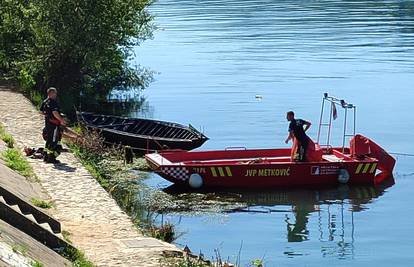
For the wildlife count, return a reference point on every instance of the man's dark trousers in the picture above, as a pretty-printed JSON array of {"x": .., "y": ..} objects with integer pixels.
[{"x": 53, "y": 137}]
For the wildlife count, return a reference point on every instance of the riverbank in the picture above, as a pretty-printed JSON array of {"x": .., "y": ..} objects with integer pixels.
[
  {"x": 17, "y": 247},
  {"x": 96, "y": 224}
]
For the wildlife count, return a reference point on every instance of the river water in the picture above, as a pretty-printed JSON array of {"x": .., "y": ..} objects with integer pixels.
[{"x": 233, "y": 68}]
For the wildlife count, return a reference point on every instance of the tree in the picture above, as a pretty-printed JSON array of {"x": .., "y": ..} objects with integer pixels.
[{"x": 76, "y": 46}]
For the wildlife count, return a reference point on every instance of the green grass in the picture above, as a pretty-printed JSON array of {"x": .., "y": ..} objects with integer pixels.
[
  {"x": 140, "y": 164},
  {"x": 184, "y": 262},
  {"x": 16, "y": 161},
  {"x": 66, "y": 236},
  {"x": 77, "y": 258},
  {"x": 7, "y": 138},
  {"x": 22, "y": 249},
  {"x": 36, "y": 264},
  {"x": 257, "y": 263},
  {"x": 41, "y": 203},
  {"x": 165, "y": 232}
]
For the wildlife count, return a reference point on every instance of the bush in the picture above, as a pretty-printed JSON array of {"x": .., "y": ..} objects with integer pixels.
[
  {"x": 165, "y": 232},
  {"x": 76, "y": 46}
]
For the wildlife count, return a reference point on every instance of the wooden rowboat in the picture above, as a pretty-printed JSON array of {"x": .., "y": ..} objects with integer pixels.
[{"x": 143, "y": 135}]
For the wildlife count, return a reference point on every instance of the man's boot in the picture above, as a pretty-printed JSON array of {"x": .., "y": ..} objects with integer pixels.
[{"x": 51, "y": 158}]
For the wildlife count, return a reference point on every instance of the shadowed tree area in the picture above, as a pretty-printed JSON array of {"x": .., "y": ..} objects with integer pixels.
[{"x": 80, "y": 47}]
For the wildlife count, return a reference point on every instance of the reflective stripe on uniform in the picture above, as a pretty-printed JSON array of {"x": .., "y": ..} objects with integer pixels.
[{"x": 55, "y": 133}]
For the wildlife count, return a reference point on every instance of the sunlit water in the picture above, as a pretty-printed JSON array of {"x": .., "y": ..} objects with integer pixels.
[{"x": 233, "y": 68}]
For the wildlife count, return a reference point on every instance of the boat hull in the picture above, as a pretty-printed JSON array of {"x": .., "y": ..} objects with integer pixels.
[
  {"x": 259, "y": 169},
  {"x": 143, "y": 135},
  {"x": 144, "y": 144}
]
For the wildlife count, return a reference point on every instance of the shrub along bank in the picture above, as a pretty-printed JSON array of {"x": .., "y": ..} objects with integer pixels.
[{"x": 77, "y": 46}]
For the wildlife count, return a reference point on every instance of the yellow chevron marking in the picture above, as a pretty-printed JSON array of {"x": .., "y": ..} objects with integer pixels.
[
  {"x": 220, "y": 169},
  {"x": 366, "y": 168},
  {"x": 359, "y": 168},
  {"x": 229, "y": 172},
  {"x": 213, "y": 171},
  {"x": 373, "y": 168}
]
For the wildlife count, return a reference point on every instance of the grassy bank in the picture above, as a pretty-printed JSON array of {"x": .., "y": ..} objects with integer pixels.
[
  {"x": 140, "y": 202},
  {"x": 7, "y": 138},
  {"x": 108, "y": 167},
  {"x": 15, "y": 160}
]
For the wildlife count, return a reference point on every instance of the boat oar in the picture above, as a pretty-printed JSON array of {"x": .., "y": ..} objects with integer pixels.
[{"x": 70, "y": 134}]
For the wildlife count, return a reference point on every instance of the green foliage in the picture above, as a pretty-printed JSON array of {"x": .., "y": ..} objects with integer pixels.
[
  {"x": 7, "y": 138},
  {"x": 257, "y": 263},
  {"x": 73, "y": 45},
  {"x": 189, "y": 263},
  {"x": 16, "y": 161},
  {"x": 77, "y": 258},
  {"x": 26, "y": 81},
  {"x": 140, "y": 164},
  {"x": 36, "y": 264},
  {"x": 186, "y": 262},
  {"x": 165, "y": 232},
  {"x": 22, "y": 249},
  {"x": 106, "y": 164},
  {"x": 66, "y": 236},
  {"x": 41, "y": 203}
]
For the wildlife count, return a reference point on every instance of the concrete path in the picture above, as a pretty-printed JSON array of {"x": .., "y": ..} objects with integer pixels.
[{"x": 96, "y": 223}]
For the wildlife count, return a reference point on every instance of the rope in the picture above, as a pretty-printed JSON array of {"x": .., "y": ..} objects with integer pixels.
[{"x": 401, "y": 154}]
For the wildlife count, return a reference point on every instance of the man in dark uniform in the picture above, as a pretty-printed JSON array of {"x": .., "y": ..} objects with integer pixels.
[
  {"x": 297, "y": 129},
  {"x": 52, "y": 132}
]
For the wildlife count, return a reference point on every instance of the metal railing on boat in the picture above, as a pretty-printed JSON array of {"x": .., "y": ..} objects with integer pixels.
[{"x": 332, "y": 116}]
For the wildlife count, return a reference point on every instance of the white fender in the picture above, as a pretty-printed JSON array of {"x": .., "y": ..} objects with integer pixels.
[
  {"x": 343, "y": 176},
  {"x": 195, "y": 181}
]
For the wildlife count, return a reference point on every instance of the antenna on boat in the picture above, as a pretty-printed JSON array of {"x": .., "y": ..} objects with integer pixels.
[{"x": 333, "y": 101}]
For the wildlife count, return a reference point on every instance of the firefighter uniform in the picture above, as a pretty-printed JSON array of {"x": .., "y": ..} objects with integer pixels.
[{"x": 52, "y": 133}]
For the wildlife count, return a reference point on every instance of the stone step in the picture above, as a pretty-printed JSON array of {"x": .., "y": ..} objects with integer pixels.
[
  {"x": 30, "y": 217},
  {"x": 46, "y": 226},
  {"x": 15, "y": 208},
  {"x": 60, "y": 236}
]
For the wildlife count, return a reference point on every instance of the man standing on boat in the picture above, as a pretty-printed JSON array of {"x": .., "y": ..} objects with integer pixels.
[
  {"x": 297, "y": 133},
  {"x": 52, "y": 133}
]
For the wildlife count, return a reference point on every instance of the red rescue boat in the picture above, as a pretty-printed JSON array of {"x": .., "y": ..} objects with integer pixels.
[{"x": 362, "y": 162}]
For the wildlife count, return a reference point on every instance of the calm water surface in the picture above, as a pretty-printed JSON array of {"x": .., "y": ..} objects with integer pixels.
[{"x": 215, "y": 57}]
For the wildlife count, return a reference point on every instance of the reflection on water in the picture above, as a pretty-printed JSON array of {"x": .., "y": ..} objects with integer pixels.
[{"x": 332, "y": 209}]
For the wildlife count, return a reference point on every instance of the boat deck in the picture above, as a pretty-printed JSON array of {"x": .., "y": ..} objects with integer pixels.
[{"x": 244, "y": 157}]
